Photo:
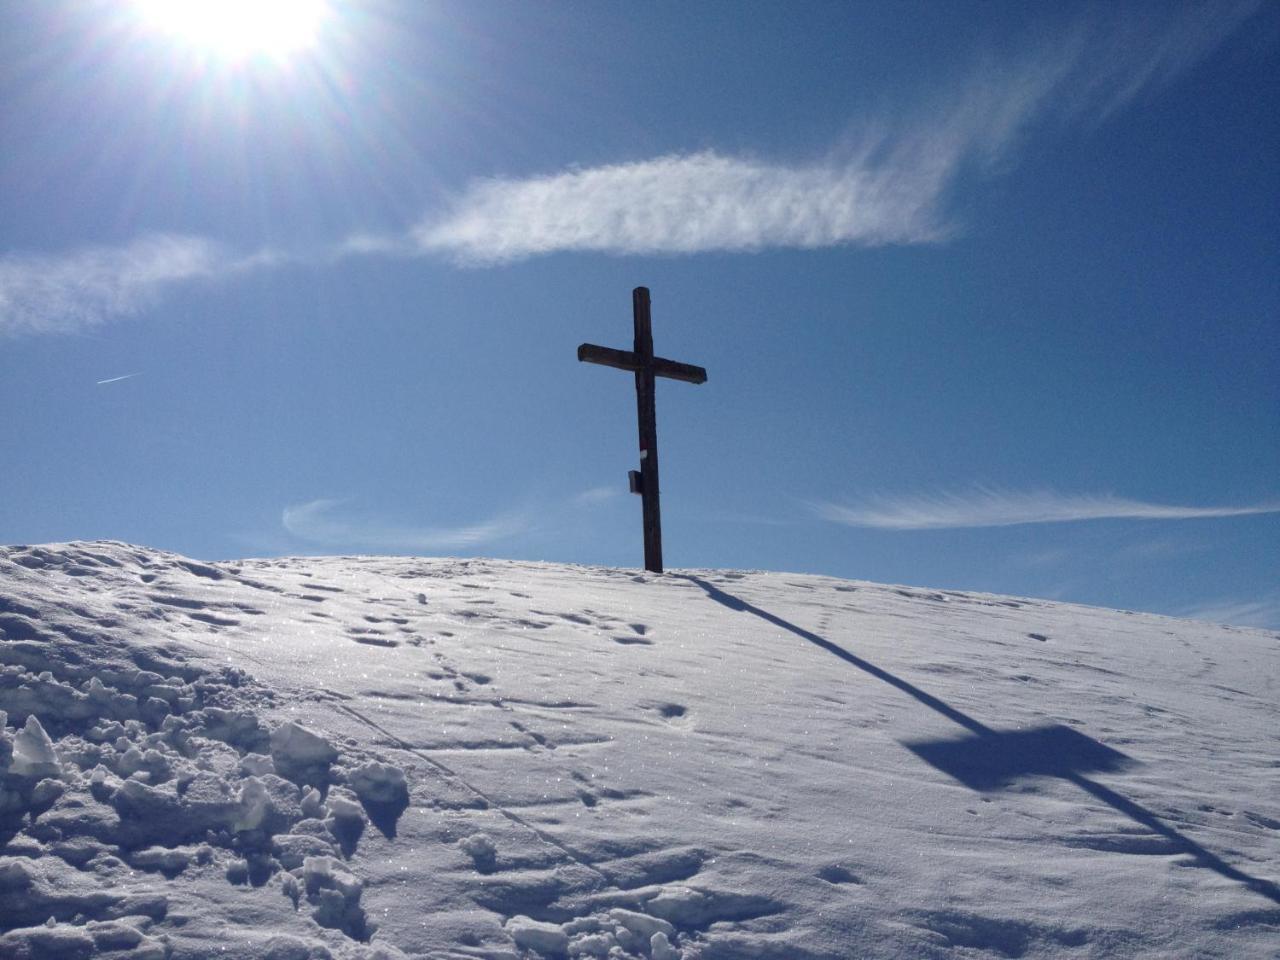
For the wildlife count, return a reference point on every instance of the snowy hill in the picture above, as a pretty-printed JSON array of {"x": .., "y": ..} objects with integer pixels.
[{"x": 370, "y": 757}]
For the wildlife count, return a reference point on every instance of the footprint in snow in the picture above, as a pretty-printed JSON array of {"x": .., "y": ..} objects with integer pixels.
[
  {"x": 632, "y": 641},
  {"x": 669, "y": 711},
  {"x": 376, "y": 641},
  {"x": 837, "y": 874},
  {"x": 213, "y": 620},
  {"x": 1262, "y": 821}
]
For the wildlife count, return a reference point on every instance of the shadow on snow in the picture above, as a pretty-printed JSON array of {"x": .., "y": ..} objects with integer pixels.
[{"x": 988, "y": 759}]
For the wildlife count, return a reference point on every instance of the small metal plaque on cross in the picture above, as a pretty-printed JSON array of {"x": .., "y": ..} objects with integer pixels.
[{"x": 646, "y": 367}]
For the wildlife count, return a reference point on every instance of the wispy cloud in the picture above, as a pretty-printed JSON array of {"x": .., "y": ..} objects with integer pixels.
[
  {"x": 887, "y": 182},
  {"x": 597, "y": 495},
  {"x": 127, "y": 376},
  {"x": 321, "y": 522},
  {"x": 71, "y": 291},
  {"x": 688, "y": 204},
  {"x": 1261, "y": 612},
  {"x": 889, "y": 189},
  {"x": 997, "y": 508}
]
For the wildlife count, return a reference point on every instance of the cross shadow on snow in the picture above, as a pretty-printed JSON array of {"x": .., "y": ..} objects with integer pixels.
[
  {"x": 999, "y": 758},
  {"x": 987, "y": 759}
]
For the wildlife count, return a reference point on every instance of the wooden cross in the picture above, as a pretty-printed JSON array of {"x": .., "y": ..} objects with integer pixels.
[{"x": 646, "y": 367}]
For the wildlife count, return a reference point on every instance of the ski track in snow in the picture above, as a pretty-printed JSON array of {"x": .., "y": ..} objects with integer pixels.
[{"x": 371, "y": 757}]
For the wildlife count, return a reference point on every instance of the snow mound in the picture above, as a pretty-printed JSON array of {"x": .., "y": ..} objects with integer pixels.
[{"x": 360, "y": 758}]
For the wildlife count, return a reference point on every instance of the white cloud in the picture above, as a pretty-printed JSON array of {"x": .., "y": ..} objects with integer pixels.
[
  {"x": 67, "y": 292},
  {"x": 891, "y": 189},
  {"x": 597, "y": 495},
  {"x": 1124, "y": 58},
  {"x": 1262, "y": 612},
  {"x": 319, "y": 522},
  {"x": 996, "y": 508},
  {"x": 688, "y": 204}
]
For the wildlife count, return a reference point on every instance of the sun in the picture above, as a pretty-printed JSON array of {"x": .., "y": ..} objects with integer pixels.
[{"x": 237, "y": 29}]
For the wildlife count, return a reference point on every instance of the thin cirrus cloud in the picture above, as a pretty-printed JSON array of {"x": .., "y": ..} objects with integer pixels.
[
  {"x": 322, "y": 522},
  {"x": 69, "y": 292},
  {"x": 890, "y": 187},
  {"x": 688, "y": 204},
  {"x": 994, "y": 508},
  {"x": 597, "y": 495}
]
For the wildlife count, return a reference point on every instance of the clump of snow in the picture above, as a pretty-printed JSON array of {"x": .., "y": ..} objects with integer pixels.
[
  {"x": 622, "y": 933},
  {"x": 335, "y": 894},
  {"x": 680, "y": 905},
  {"x": 481, "y": 849},
  {"x": 342, "y": 806},
  {"x": 379, "y": 783},
  {"x": 312, "y": 804},
  {"x": 545, "y": 938},
  {"x": 33, "y": 754},
  {"x": 257, "y": 764},
  {"x": 660, "y": 948},
  {"x": 301, "y": 754}
]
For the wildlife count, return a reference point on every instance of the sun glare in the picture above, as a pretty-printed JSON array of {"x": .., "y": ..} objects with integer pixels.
[{"x": 235, "y": 29}]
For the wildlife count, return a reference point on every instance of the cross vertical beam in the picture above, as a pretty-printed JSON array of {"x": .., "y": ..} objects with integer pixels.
[
  {"x": 646, "y": 367},
  {"x": 647, "y": 416}
]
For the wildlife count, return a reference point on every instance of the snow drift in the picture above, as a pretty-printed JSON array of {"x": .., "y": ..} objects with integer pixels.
[{"x": 299, "y": 759}]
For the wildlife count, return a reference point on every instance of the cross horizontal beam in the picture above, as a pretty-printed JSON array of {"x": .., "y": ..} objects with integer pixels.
[{"x": 627, "y": 360}]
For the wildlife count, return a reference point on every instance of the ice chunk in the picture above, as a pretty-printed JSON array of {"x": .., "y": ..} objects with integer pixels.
[
  {"x": 641, "y": 924},
  {"x": 33, "y": 755},
  {"x": 46, "y": 794},
  {"x": 530, "y": 934},
  {"x": 114, "y": 935},
  {"x": 15, "y": 874},
  {"x": 335, "y": 893},
  {"x": 681, "y": 905},
  {"x": 660, "y": 948},
  {"x": 256, "y": 764},
  {"x": 376, "y": 782},
  {"x": 239, "y": 727},
  {"x": 254, "y": 803},
  {"x": 50, "y": 940},
  {"x": 289, "y": 886},
  {"x": 312, "y": 803},
  {"x": 237, "y": 871},
  {"x": 342, "y": 806},
  {"x": 592, "y": 945},
  {"x": 481, "y": 849},
  {"x": 295, "y": 746},
  {"x": 326, "y": 872},
  {"x": 163, "y": 859},
  {"x": 292, "y": 849}
]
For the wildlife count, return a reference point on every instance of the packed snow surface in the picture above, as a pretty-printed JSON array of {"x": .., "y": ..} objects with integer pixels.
[{"x": 368, "y": 757}]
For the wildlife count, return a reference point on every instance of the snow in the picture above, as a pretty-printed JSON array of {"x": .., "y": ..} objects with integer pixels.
[
  {"x": 364, "y": 758},
  {"x": 32, "y": 756}
]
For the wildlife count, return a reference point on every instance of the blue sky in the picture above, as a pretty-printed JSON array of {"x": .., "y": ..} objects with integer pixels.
[{"x": 987, "y": 292}]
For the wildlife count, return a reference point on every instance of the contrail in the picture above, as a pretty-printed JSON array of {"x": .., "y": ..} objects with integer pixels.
[{"x": 127, "y": 376}]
